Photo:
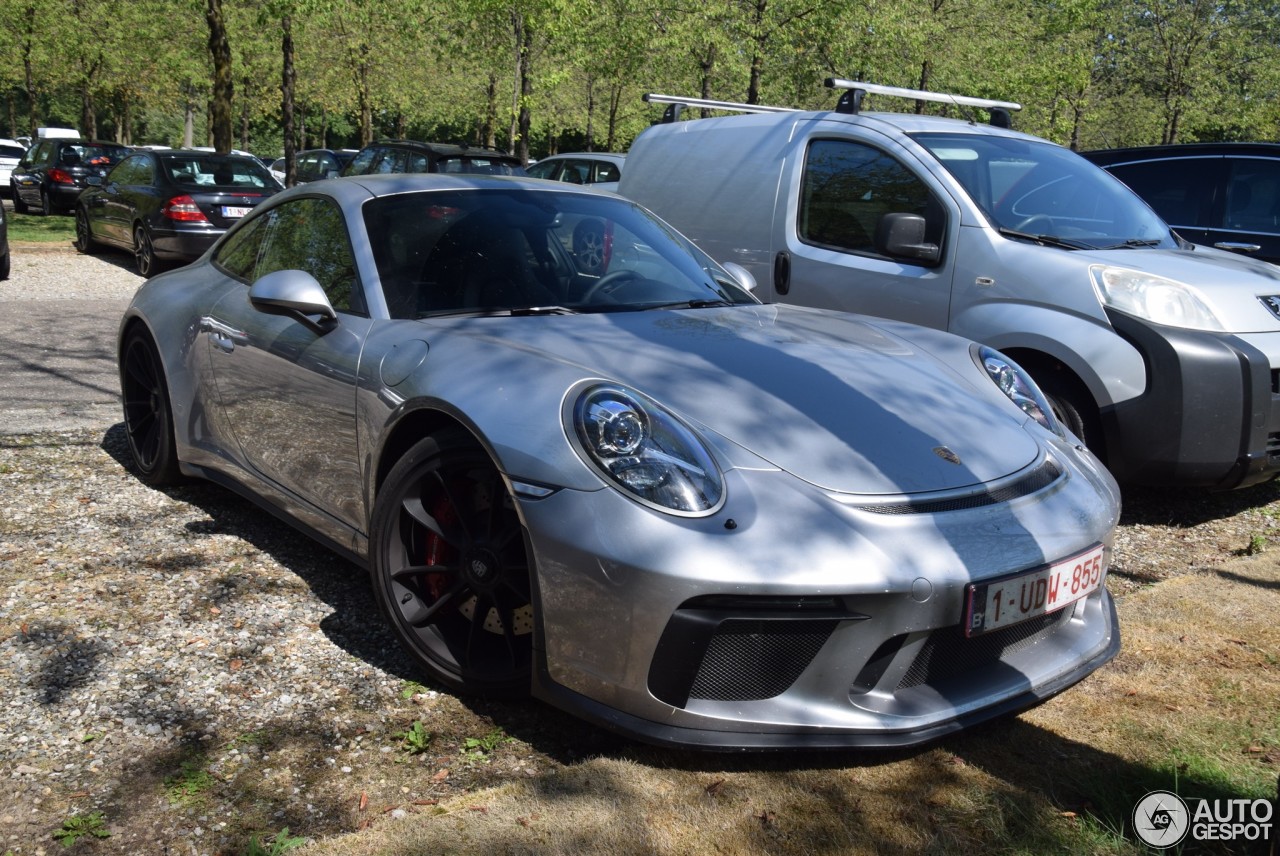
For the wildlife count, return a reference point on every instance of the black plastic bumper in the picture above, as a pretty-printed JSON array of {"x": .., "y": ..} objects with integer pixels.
[{"x": 1210, "y": 416}]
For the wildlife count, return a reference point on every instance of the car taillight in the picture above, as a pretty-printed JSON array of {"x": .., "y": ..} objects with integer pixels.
[
  {"x": 183, "y": 208},
  {"x": 61, "y": 176}
]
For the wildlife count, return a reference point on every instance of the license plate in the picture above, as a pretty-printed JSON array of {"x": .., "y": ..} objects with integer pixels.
[
  {"x": 232, "y": 211},
  {"x": 1001, "y": 603}
]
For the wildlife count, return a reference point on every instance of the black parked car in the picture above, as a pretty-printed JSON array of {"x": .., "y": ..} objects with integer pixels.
[
  {"x": 53, "y": 172},
  {"x": 1225, "y": 195},
  {"x": 396, "y": 156},
  {"x": 4, "y": 245},
  {"x": 169, "y": 205}
]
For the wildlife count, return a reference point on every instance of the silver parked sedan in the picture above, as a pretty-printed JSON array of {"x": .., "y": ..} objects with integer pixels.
[{"x": 623, "y": 484}]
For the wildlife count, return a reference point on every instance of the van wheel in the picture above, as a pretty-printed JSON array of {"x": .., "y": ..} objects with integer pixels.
[{"x": 1075, "y": 410}]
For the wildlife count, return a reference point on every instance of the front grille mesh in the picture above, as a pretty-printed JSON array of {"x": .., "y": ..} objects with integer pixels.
[
  {"x": 948, "y": 653},
  {"x": 750, "y": 659}
]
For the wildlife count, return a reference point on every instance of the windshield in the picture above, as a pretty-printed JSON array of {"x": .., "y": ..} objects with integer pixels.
[
  {"x": 524, "y": 251},
  {"x": 1038, "y": 189}
]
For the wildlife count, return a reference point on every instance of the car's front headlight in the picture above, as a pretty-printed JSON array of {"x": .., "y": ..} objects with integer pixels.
[
  {"x": 1018, "y": 386},
  {"x": 645, "y": 451},
  {"x": 1155, "y": 298}
]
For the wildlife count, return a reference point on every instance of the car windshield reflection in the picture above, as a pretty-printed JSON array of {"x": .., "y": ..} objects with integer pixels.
[{"x": 523, "y": 253}]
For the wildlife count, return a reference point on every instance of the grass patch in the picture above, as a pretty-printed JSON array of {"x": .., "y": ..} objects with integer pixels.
[{"x": 36, "y": 228}]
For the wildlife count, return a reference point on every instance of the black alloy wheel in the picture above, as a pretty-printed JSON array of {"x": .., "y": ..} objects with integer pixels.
[
  {"x": 47, "y": 208},
  {"x": 19, "y": 204},
  {"x": 84, "y": 237},
  {"x": 148, "y": 416},
  {"x": 144, "y": 254},
  {"x": 451, "y": 567}
]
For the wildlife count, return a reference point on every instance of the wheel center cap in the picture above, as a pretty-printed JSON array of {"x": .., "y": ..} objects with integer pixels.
[{"x": 482, "y": 568}]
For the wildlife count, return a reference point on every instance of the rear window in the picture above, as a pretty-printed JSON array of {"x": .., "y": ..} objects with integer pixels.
[{"x": 229, "y": 171}]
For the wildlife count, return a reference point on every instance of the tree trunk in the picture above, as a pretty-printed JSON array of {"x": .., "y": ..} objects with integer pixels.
[
  {"x": 28, "y": 38},
  {"x": 287, "y": 81},
  {"x": 223, "y": 83},
  {"x": 525, "y": 121},
  {"x": 517, "y": 29}
]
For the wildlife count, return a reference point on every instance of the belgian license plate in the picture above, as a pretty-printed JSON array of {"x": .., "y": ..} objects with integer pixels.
[
  {"x": 232, "y": 211},
  {"x": 1001, "y": 603}
]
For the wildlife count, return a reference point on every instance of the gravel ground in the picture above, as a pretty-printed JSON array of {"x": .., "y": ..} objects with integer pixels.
[{"x": 198, "y": 673}]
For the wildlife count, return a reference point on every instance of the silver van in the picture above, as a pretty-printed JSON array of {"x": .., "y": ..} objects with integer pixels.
[{"x": 1163, "y": 356}]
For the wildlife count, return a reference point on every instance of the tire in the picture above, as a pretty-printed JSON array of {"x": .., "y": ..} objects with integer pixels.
[
  {"x": 451, "y": 568},
  {"x": 144, "y": 252},
  {"x": 148, "y": 415},
  {"x": 1076, "y": 411},
  {"x": 4, "y": 265},
  {"x": 84, "y": 237},
  {"x": 47, "y": 208},
  {"x": 19, "y": 205}
]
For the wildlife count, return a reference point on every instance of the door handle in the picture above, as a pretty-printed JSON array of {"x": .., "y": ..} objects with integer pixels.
[
  {"x": 782, "y": 272},
  {"x": 1237, "y": 246}
]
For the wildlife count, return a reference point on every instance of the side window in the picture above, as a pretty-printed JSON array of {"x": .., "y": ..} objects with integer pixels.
[
  {"x": 1253, "y": 196},
  {"x": 360, "y": 164},
  {"x": 238, "y": 255},
  {"x": 846, "y": 189},
  {"x": 310, "y": 235},
  {"x": 418, "y": 162},
  {"x": 606, "y": 171},
  {"x": 1176, "y": 189},
  {"x": 546, "y": 169}
]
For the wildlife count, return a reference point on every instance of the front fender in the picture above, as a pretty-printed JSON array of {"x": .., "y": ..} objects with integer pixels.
[{"x": 1112, "y": 368}]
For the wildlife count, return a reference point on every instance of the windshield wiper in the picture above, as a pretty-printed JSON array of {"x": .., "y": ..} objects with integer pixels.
[
  {"x": 1132, "y": 243},
  {"x": 1051, "y": 240},
  {"x": 703, "y": 303},
  {"x": 543, "y": 310}
]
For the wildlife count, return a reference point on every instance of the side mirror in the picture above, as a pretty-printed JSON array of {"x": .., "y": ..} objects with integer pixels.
[
  {"x": 295, "y": 293},
  {"x": 740, "y": 275},
  {"x": 901, "y": 235}
]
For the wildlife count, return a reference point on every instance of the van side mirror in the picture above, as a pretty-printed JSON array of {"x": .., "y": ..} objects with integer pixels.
[{"x": 901, "y": 235}]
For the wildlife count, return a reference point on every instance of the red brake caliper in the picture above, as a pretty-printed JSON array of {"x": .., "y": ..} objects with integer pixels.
[{"x": 437, "y": 551}]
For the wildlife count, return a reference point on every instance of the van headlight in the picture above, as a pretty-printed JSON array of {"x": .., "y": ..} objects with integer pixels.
[
  {"x": 1156, "y": 298},
  {"x": 645, "y": 451},
  {"x": 1018, "y": 386}
]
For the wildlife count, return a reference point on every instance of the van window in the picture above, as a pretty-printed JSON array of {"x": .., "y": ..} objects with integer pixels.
[{"x": 846, "y": 189}]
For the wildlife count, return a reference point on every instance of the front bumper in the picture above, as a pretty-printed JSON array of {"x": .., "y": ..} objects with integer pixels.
[
  {"x": 1210, "y": 416},
  {"x": 811, "y": 621}
]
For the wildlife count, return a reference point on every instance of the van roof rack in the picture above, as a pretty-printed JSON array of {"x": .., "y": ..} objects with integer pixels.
[
  {"x": 855, "y": 90},
  {"x": 676, "y": 103}
]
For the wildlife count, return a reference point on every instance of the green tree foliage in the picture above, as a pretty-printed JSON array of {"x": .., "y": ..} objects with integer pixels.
[{"x": 538, "y": 76}]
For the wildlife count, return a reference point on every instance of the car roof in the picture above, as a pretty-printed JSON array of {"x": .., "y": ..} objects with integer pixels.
[
  {"x": 1176, "y": 150},
  {"x": 446, "y": 149},
  {"x": 612, "y": 156},
  {"x": 355, "y": 188}
]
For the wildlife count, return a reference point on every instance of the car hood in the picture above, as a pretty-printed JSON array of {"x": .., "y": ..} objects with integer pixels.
[
  {"x": 840, "y": 401},
  {"x": 1230, "y": 283}
]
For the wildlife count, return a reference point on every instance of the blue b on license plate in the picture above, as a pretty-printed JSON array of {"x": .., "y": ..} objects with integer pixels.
[{"x": 1001, "y": 603}]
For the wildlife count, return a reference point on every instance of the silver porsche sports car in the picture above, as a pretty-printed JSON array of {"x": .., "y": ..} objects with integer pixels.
[{"x": 580, "y": 460}]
